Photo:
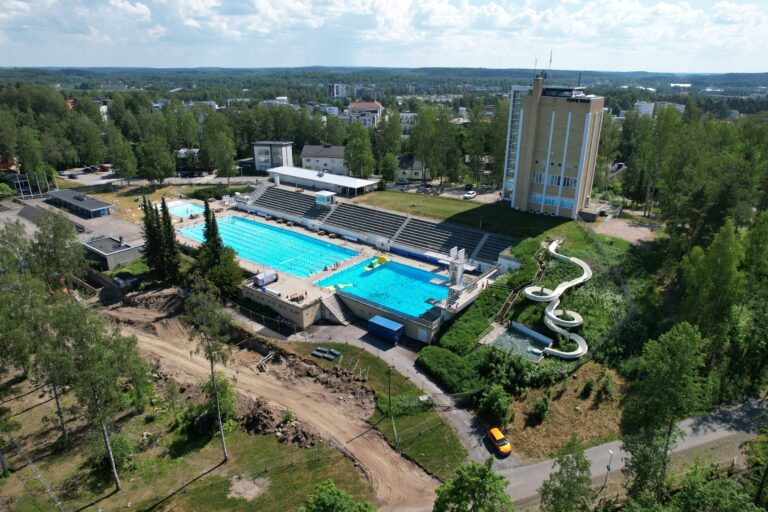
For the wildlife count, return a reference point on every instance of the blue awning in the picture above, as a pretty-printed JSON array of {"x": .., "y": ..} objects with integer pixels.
[{"x": 386, "y": 323}]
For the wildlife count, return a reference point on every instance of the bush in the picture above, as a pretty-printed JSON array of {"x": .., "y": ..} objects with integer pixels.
[
  {"x": 216, "y": 192},
  {"x": 607, "y": 387},
  {"x": 461, "y": 335},
  {"x": 455, "y": 374},
  {"x": 586, "y": 391},
  {"x": 494, "y": 405},
  {"x": 122, "y": 452},
  {"x": 539, "y": 410}
]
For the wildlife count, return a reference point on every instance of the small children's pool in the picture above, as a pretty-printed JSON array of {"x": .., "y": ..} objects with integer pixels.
[
  {"x": 393, "y": 285},
  {"x": 513, "y": 340},
  {"x": 277, "y": 248},
  {"x": 184, "y": 210}
]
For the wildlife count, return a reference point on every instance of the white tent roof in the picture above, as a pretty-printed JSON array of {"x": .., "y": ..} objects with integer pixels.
[{"x": 327, "y": 178}]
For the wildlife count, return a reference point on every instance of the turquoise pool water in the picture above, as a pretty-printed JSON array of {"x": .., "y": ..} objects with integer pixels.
[
  {"x": 183, "y": 209},
  {"x": 277, "y": 248},
  {"x": 393, "y": 285},
  {"x": 513, "y": 340}
]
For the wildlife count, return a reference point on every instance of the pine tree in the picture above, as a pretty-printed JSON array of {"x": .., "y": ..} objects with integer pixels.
[
  {"x": 212, "y": 244},
  {"x": 152, "y": 236},
  {"x": 171, "y": 256}
]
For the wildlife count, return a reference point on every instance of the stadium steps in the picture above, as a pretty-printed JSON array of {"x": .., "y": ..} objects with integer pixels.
[
  {"x": 491, "y": 247},
  {"x": 337, "y": 310},
  {"x": 438, "y": 237},
  {"x": 365, "y": 220}
]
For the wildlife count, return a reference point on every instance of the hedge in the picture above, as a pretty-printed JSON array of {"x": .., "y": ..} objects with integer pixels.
[
  {"x": 217, "y": 191},
  {"x": 456, "y": 374}
]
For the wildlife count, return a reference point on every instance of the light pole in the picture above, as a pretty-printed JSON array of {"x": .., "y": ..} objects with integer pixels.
[{"x": 608, "y": 473}]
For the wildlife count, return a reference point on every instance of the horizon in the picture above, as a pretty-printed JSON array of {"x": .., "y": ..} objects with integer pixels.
[{"x": 696, "y": 36}]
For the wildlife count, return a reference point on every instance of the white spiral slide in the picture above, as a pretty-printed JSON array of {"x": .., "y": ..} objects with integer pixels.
[{"x": 553, "y": 317}]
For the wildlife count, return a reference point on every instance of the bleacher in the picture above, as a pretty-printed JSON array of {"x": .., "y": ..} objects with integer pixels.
[
  {"x": 291, "y": 203},
  {"x": 365, "y": 220},
  {"x": 491, "y": 248},
  {"x": 438, "y": 237}
]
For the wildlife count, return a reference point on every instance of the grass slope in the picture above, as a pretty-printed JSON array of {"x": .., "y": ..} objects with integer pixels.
[{"x": 425, "y": 436}]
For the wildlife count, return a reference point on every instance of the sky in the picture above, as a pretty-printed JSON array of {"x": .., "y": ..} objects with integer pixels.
[{"x": 609, "y": 35}]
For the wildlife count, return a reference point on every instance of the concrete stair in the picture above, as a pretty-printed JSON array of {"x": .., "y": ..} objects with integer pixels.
[{"x": 337, "y": 310}]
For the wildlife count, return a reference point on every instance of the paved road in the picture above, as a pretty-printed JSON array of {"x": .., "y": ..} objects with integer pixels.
[{"x": 739, "y": 423}]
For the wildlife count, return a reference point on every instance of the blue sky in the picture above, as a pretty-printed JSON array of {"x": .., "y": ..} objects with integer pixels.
[{"x": 621, "y": 35}]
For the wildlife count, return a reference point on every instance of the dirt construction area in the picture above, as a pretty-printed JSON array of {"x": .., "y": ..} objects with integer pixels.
[{"x": 331, "y": 404}]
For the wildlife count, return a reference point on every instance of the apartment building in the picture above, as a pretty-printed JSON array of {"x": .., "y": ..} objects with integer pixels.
[
  {"x": 552, "y": 141},
  {"x": 367, "y": 113},
  {"x": 325, "y": 158}
]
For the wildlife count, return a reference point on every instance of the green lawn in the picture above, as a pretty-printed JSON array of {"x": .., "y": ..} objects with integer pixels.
[
  {"x": 425, "y": 436},
  {"x": 488, "y": 216}
]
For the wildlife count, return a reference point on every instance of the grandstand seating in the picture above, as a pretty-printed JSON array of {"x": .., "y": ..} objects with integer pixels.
[
  {"x": 365, "y": 220},
  {"x": 291, "y": 203},
  {"x": 491, "y": 248},
  {"x": 438, "y": 237}
]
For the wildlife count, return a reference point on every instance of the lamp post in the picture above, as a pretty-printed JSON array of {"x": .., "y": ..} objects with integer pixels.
[{"x": 608, "y": 472}]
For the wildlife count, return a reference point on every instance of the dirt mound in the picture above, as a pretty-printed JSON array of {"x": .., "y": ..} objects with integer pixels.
[
  {"x": 248, "y": 489},
  {"x": 262, "y": 418},
  {"x": 166, "y": 301},
  {"x": 170, "y": 329}
]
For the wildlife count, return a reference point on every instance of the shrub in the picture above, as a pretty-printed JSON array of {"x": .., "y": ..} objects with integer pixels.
[
  {"x": 122, "y": 452},
  {"x": 607, "y": 387},
  {"x": 461, "y": 335},
  {"x": 586, "y": 391},
  {"x": 287, "y": 416},
  {"x": 203, "y": 194},
  {"x": 455, "y": 374},
  {"x": 494, "y": 405},
  {"x": 539, "y": 410}
]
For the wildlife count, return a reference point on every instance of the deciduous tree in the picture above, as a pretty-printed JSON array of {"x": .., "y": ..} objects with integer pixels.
[
  {"x": 476, "y": 488},
  {"x": 568, "y": 488},
  {"x": 326, "y": 497}
]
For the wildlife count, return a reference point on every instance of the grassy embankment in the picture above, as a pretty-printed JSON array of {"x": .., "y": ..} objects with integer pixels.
[
  {"x": 616, "y": 305},
  {"x": 424, "y": 435},
  {"x": 169, "y": 471}
]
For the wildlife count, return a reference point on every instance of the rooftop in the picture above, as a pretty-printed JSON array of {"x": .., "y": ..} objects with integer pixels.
[
  {"x": 77, "y": 199},
  {"x": 324, "y": 151},
  {"x": 106, "y": 245},
  {"x": 365, "y": 104},
  {"x": 272, "y": 143},
  {"x": 331, "y": 179}
]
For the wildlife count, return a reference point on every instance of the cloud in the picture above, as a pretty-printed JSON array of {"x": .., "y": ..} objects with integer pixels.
[
  {"x": 138, "y": 10},
  {"x": 597, "y": 34}
]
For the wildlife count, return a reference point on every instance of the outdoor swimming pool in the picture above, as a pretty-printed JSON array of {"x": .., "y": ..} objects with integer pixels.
[
  {"x": 277, "y": 248},
  {"x": 183, "y": 209},
  {"x": 396, "y": 286}
]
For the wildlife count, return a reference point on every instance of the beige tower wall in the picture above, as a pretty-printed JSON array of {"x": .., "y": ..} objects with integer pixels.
[{"x": 557, "y": 152}]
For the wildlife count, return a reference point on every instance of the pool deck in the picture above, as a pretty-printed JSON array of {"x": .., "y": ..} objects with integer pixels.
[{"x": 292, "y": 286}]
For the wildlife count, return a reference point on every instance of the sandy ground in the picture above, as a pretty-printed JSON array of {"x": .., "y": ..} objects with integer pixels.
[
  {"x": 631, "y": 230},
  {"x": 399, "y": 485}
]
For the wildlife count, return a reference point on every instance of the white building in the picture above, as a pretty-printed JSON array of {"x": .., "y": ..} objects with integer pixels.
[
  {"x": 338, "y": 91},
  {"x": 367, "y": 113},
  {"x": 411, "y": 168},
  {"x": 668, "y": 104},
  {"x": 318, "y": 180},
  {"x": 325, "y": 158},
  {"x": 269, "y": 154},
  {"x": 644, "y": 108}
]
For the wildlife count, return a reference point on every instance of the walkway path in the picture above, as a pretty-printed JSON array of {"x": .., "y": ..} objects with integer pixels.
[
  {"x": 555, "y": 319},
  {"x": 740, "y": 423}
]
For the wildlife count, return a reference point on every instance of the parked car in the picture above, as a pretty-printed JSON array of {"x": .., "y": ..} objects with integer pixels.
[
  {"x": 469, "y": 186},
  {"x": 402, "y": 181},
  {"x": 72, "y": 176},
  {"x": 499, "y": 441},
  {"x": 470, "y": 195}
]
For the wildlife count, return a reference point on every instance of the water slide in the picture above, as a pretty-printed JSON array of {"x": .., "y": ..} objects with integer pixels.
[{"x": 554, "y": 318}]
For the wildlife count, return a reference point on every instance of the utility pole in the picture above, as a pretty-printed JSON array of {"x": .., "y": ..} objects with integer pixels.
[{"x": 391, "y": 415}]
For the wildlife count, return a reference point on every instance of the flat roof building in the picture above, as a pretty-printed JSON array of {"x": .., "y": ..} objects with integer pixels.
[
  {"x": 111, "y": 251},
  {"x": 319, "y": 180},
  {"x": 268, "y": 154},
  {"x": 78, "y": 203},
  {"x": 552, "y": 139}
]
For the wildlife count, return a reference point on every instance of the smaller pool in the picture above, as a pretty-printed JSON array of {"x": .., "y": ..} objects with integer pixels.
[
  {"x": 184, "y": 210},
  {"x": 393, "y": 285},
  {"x": 512, "y": 340}
]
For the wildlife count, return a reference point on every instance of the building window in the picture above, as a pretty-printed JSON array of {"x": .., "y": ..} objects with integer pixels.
[
  {"x": 569, "y": 182},
  {"x": 554, "y": 180},
  {"x": 550, "y": 201},
  {"x": 536, "y": 199},
  {"x": 537, "y": 178},
  {"x": 566, "y": 203}
]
